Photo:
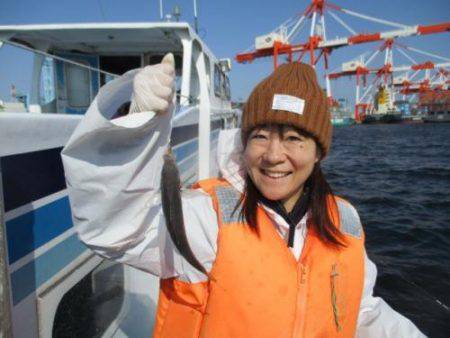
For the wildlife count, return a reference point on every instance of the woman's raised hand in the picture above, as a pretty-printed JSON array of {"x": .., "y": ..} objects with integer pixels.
[{"x": 153, "y": 87}]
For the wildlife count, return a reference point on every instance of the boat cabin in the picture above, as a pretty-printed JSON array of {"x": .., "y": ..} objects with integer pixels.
[{"x": 72, "y": 61}]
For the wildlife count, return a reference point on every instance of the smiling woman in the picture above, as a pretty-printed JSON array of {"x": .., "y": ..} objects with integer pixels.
[
  {"x": 283, "y": 172},
  {"x": 286, "y": 132},
  {"x": 278, "y": 254}
]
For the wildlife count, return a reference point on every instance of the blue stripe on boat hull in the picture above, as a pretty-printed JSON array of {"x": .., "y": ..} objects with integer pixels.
[
  {"x": 31, "y": 276},
  {"x": 185, "y": 150},
  {"x": 28, "y": 232},
  {"x": 32, "y": 230},
  {"x": 31, "y": 176}
]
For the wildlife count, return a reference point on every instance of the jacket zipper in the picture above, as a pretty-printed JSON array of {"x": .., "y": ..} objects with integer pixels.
[
  {"x": 302, "y": 285},
  {"x": 302, "y": 291}
]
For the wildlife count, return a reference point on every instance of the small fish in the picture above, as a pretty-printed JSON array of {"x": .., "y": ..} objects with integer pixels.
[{"x": 173, "y": 210}]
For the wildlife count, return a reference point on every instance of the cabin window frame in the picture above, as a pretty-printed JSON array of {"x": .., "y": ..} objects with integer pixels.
[
  {"x": 50, "y": 63},
  {"x": 226, "y": 87},
  {"x": 217, "y": 81},
  {"x": 67, "y": 67}
]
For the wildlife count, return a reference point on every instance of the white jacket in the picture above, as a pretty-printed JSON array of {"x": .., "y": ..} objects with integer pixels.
[{"x": 113, "y": 171}]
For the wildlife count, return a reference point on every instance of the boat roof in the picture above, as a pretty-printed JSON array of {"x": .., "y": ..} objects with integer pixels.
[{"x": 102, "y": 38}]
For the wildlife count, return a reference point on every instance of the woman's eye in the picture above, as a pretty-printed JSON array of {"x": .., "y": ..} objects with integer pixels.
[
  {"x": 294, "y": 138},
  {"x": 259, "y": 137}
]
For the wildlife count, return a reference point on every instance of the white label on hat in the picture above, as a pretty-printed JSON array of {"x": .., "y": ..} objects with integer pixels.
[{"x": 288, "y": 103}]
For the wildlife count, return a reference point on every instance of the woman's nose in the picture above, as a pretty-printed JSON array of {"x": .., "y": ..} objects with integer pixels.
[{"x": 274, "y": 152}]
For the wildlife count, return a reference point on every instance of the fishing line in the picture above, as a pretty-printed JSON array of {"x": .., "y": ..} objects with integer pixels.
[{"x": 425, "y": 292}]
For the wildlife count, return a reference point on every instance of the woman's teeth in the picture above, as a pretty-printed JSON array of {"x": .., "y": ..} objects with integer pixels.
[{"x": 275, "y": 174}]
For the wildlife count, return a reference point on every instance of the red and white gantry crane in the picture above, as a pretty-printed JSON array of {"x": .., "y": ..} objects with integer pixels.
[
  {"x": 384, "y": 76},
  {"x": 281, "y": 40}
]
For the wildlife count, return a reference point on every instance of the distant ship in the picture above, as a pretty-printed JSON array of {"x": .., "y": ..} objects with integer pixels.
[
  {"x": 391, "y": 116},
  {"x": 385, "y": 111},
  {"x": 437, "y": 117},
  {"x": 341, "y": 116},
  {"x": 435, "y": 106},
  {"x": 342, "y": 121}
]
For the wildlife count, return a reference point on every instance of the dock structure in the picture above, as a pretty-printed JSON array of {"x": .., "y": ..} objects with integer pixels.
[{"x": 284, "y": 41}]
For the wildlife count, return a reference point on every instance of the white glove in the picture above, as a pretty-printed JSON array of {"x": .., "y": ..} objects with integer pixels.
[{"x": 153, "y": 87}]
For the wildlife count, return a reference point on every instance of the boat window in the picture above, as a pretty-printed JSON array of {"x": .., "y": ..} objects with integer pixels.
[
  {"x": 117, "y": 64},
  {"x": 47, "y": 98},
  {"x": 217, "y": 81},
  {"x": 89, "y": 308},
  {"x": 195, "y": 83},
  {"x": 78, "y": 85},
  {"x": 226, "y": 84}
]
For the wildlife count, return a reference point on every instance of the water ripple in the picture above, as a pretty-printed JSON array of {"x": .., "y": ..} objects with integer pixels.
[{"x": 398, "y": 177}]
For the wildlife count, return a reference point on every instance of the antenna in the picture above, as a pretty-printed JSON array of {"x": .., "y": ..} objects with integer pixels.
[
  {"x": 177, "y": 13},
  {"x": 161, "y": 10},
  {"x": 195, "y": 17}
]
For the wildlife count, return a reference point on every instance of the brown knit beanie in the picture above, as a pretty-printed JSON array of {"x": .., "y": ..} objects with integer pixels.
[{"x": 291, "y": 96}]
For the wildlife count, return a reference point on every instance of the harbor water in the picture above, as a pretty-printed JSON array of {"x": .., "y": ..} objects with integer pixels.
[{"x": 398, "y": 177}]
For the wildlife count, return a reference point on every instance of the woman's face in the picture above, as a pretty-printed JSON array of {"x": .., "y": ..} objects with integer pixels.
[{"x": 279, "y": 160}]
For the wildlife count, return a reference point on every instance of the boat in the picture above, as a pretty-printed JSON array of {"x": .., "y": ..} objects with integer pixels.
[
  {"x": 53, "y": 285},
  {"x": 388, "y": 117},
  {"x": 435, "y": 106},
  {"x": 385, "y": 111},
  {"x": 440, "y": 116},
  {"x": 340, "y": 115},
  {"x": 412, "y": 119},
  {"x": 391, "y": 116},
  {"x": 342, "y": 121}
]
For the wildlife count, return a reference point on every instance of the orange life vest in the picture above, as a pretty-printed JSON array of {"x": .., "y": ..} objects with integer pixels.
[{"x": 257, "y": 288}]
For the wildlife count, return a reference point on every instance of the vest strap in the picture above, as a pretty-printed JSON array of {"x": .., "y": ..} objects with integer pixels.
[
  {"x": 349, "y": 219},
  {"x": 228, "y": 198}
]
